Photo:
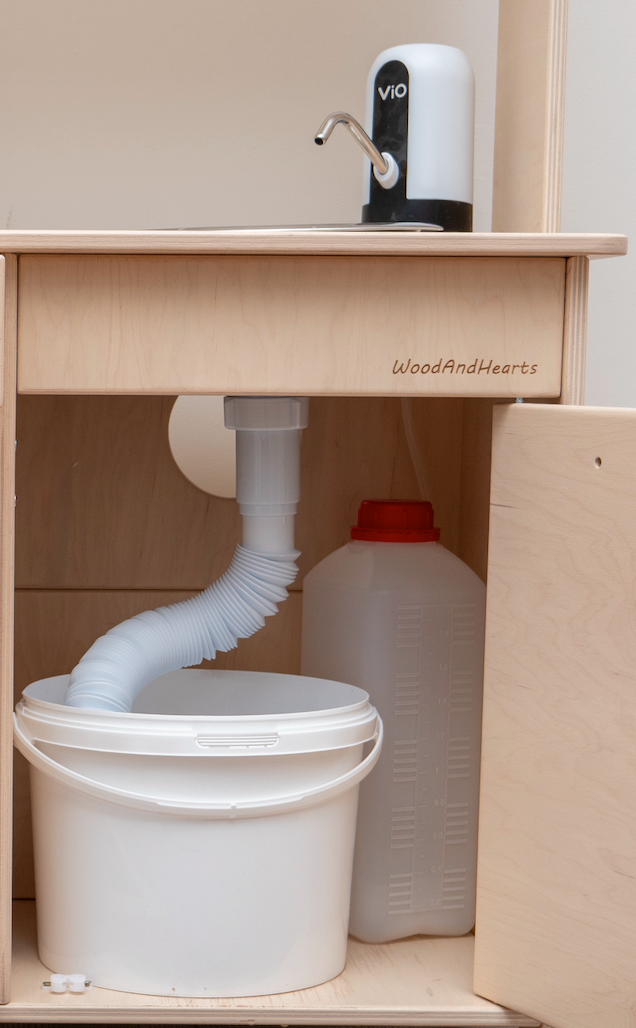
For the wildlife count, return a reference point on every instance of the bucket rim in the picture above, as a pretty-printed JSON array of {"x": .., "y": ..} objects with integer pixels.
[{"x": 74, "y": 715}]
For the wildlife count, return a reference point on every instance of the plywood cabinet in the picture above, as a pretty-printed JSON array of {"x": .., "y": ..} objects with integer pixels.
[
  {"x": 340, "y": 325},
  {"x": 105, "y": 337},
  {"x": 558, "y": 840},
  {"x": 102, "y": 329}
]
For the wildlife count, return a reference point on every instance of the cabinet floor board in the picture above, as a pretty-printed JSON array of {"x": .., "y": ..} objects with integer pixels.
[{"x": 418, "y": 981}]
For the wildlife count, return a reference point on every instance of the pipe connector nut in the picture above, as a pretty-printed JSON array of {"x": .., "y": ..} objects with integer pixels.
[{"x": 266, "y": 413}]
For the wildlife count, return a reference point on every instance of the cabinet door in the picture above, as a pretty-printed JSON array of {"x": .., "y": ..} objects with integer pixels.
[{"x": 556, "y": 912}]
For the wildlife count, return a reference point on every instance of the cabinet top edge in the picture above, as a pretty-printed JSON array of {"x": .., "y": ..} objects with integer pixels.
[{"x": 269, "y": 241}]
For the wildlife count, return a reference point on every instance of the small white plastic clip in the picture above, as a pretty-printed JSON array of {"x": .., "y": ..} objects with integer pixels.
[{"x": 72, "y": 982}]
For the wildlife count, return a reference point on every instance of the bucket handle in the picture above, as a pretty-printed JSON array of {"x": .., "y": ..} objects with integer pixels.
[{"x": 215, "y": 812}]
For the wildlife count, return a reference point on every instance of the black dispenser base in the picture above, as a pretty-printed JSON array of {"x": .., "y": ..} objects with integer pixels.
[{"x": 451, "y": 215}]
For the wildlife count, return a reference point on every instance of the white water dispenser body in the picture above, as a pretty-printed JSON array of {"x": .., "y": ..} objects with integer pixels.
[
  {"x": 404, "y": 620},
  {"x": 420, "y": 108}
]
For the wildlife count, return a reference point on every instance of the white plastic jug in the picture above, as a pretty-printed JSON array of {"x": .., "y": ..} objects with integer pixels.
[{"x": 395, "y": 613}]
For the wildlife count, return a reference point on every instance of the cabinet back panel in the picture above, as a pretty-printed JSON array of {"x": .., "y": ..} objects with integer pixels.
[
  {"x": 556, "y": 914},
  {"x": 108, "y": 526},
  {"x": 102, "y": 505}
]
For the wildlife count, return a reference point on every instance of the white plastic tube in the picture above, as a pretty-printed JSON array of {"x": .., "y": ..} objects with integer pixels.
[{"x": 119, "y": 664}]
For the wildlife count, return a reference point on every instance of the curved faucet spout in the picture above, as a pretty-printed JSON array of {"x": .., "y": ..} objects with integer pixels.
[{"x": 377, "y": 159}]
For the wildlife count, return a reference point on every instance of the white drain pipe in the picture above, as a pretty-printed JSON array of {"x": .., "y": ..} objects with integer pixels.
[{"x": 119, "y": 664}]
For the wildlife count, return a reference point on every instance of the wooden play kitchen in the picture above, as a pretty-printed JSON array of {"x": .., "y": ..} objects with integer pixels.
[{"x": 102, "y": 329}]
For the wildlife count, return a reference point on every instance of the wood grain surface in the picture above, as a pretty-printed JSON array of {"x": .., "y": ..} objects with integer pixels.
[
  {"x": 300, "y": 241},
  {"x": 8, "y": 271},
  {"x": 102, "y": 505},
  {"x": 418, "y": 981},
  {"x": 474, "y": 508},
  {"x": 530, "y": 115},
  {"x": 577, "y": 278},
  {"x": 307, "y": 325},
  {"x": 556, "y": 913}
]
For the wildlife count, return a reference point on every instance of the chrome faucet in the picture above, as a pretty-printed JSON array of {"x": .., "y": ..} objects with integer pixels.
[{"x": 386, "y": 168}]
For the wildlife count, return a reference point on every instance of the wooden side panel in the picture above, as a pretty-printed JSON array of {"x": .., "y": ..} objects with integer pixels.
[
  {"x": 8, "y": 273},
  {"x": 309, "y": 325},
  {"x": 556, "y": 917},
  {"x": 475, "y": 485},
  {"x": 575, "y": 330},
  {"x": 530, "y": 115}
]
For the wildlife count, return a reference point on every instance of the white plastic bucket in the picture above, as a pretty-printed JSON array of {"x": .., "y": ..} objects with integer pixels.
[{"x": 202, "y": 845}]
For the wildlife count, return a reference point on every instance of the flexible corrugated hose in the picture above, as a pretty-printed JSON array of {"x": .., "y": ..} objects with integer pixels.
[{"x": 120, "y": 663}]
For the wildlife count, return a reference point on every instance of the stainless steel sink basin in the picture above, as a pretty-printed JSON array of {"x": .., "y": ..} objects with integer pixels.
[{"x": 392, "y": 226}]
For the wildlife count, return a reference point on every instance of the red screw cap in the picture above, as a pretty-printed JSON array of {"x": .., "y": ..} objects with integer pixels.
[{"x": 395, "y": 521}]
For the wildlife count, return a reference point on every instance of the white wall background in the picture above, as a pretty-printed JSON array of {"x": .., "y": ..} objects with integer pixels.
[
  {"x": 599, "y": 186},
  {"x": 166, "y": 113}
]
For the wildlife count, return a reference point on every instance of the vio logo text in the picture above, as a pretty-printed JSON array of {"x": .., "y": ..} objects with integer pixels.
[{"x": 392, "y": 91}]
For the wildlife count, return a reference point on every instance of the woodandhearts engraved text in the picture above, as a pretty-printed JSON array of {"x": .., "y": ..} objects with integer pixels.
[{"x": 453, "y": 367}]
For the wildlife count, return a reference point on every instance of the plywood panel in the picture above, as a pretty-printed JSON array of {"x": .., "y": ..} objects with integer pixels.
[
  {"x": 475, "y": 485},
  {"x": 575, "y": 330},
  {"x": 556, "y": 915},
  {"x": 416, "y": 981},
  {"x": 8, "y": 283},
  {"x": 356, "y": 449},
  {"x": 101, "y": 504},
  {"x": 272, "y": 241},
  {"x": 530, "y": 115},
  {"x": 54, "y": 628},
  {"x": 309, "y": 325}
]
